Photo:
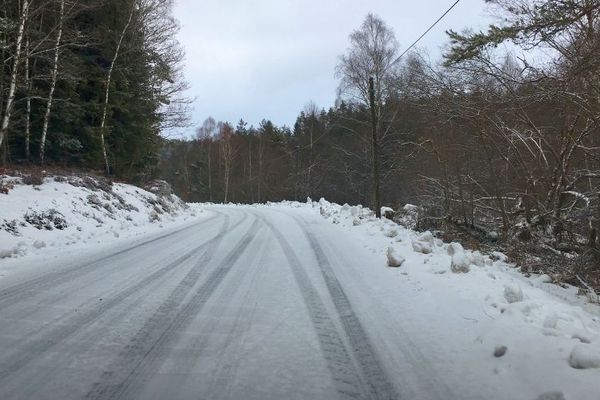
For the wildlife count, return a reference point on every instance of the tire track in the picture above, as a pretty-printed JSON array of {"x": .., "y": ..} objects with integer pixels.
[
  {"x": 22, "y": 387},
  {"x": 187, "y": 358},
  {"x": 150, "y": 346},
  {"x": 37, "y": 347},
  {"x": 377, "y": 381},
  {"x": 224, "y": 373},
  {"x": 65, "y": 318},
  {"x": 23, "y": 310},
  {"x": 23, "y": 290},
  {"x": 339, "y": 362}
]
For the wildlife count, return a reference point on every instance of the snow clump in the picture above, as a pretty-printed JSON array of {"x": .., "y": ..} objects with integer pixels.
[
  {"x": 513, "y": 293},
  {"x": 454, "y": 248},
  {"x": 424, "y": 243},
  {"x": 584, "y": 356},
  {"x": 393, "y": 258},
  {"x": 460, "y": 263},
  {"x": 391, "y": 232},
  {"x": 477, "y": 259}
]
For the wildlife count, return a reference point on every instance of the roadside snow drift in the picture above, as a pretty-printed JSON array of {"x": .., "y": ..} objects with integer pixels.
[{"x": 67, "y": 212}]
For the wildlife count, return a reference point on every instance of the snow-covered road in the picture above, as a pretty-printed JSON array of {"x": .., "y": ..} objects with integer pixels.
[
  {"x": 248, "y": 303},
  {"x": 245, "y": 304}
]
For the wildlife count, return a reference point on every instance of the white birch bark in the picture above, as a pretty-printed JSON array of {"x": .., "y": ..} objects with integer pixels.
[
  {"x": 107, "y": 90},
  {"x": 10, "y": 99},
  {"x": 28, "y": 104},
  {"x": 54, "y": 78}
]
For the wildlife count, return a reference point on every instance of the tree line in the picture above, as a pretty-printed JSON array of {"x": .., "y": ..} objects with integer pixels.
[
  {"x": 89, "y": 83},
  {"x": 501, "y": 144}
]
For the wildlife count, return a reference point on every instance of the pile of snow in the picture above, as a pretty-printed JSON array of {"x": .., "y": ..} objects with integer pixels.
[
  {"x": 68, "y": 211},
  {"x": 424, "y": 243},
  {"x": 394, "y": 259},
  {"x": 512, "y": 323}
]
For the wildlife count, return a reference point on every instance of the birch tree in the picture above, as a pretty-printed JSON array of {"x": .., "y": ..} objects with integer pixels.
[
  {"x": 28, "y": 83},
  {"x": 367, "y": 73},
  {"x": 14, "y": 74},
  {"x": 53, "y": 79},
  {"x": 109, "y": 76}
]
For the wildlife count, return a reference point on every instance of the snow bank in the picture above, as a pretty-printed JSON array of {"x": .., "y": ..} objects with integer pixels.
[{"x": 70, "y": 212}]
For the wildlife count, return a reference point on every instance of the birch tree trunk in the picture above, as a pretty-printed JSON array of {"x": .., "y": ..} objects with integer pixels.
[
  {"x": 107, "y": 89},
  {"x": 14, "y": 72},
  {"x": 52, "y": 82},
  {"x": 28, "y": 104}
]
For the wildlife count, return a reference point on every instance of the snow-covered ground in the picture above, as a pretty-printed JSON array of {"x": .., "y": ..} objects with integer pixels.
[
  {"x": 478, "y": 313},
  {"x": 283, "y": 300},
  {"x": 72, "y": 215}
]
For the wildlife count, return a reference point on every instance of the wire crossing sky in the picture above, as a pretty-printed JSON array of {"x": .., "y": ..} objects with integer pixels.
[{"x": 256, "y": 59}]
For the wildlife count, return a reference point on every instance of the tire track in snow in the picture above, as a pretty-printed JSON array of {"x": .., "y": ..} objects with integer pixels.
[
  {"x": 24, "y": 290},
  {"x": 377, "y": 381},
  {"x": 226, "y": 369},
  {"x": 150, "y": 346},
  {"x": 21, "y": 310},
  {"x": 343, "y": 371},
  {"x": 47, "y": 340}
]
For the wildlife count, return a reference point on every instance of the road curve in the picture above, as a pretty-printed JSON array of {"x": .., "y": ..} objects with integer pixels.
[{"x": 249, "y": 303}]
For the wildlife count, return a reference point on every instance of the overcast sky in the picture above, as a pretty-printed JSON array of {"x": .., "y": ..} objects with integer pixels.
[{"x": 256, "y": 59}]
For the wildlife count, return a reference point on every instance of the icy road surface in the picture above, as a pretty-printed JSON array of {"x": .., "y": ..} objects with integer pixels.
[{"x": 249, "y": 303}]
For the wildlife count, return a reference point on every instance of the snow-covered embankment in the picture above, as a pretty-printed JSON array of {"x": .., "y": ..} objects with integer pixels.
[{"x": 72, "y": 214}]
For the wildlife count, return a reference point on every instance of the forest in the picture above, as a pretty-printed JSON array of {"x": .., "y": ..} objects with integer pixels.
[
  {"x": 89, "y": 84},
  {"x": 499, "y": 143}
]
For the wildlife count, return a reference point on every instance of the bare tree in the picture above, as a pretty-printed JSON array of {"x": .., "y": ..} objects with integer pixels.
[
  {"x": 207, "y": 133},
  {"x": 372, "y": 52},
  {"x": 227, "y": 152},
  {"x": 367, "y": 72}
]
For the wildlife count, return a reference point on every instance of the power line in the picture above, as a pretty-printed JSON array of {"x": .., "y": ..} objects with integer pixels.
[{"x": 426, "y": 32}]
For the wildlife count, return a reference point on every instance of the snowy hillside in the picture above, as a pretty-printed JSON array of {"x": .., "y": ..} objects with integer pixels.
[{"x": 65, "y": 213}]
